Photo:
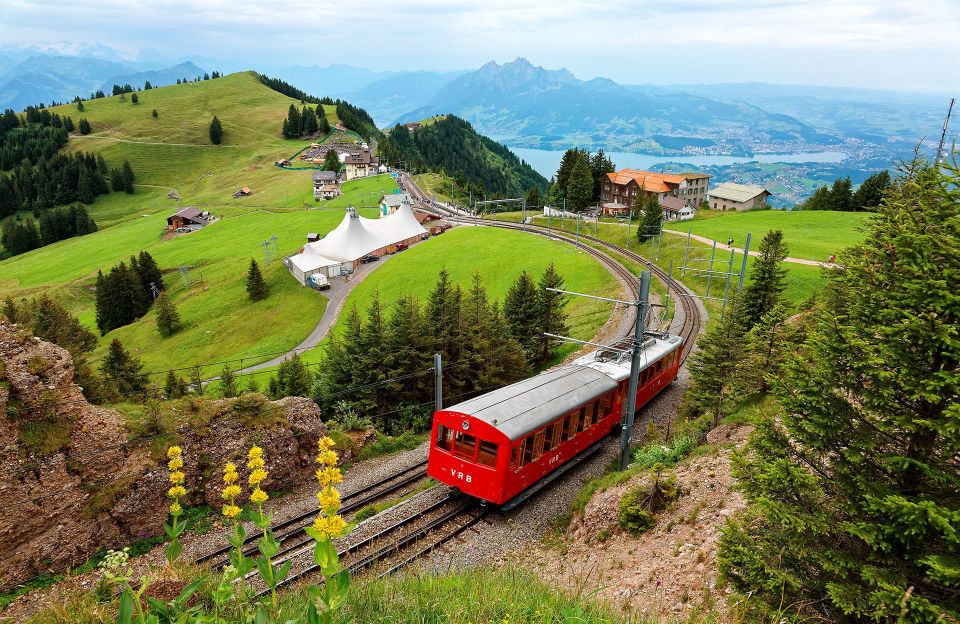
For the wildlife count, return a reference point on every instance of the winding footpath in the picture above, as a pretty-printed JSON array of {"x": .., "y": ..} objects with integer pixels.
[{"x": 710, "y": 241}]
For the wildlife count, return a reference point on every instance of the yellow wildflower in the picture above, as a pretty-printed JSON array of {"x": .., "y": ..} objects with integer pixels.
[
  {"x": 329, "y": 498},
  {"x": 176, "y": 477},
  {"x": 177, "y": 491},
  {"x": 175, "y": 508},
  {"x": 326, "y": 443},
  {"x": 329, "y": 526},
  {"x": 329, "y": 476},
  {"x": 259, "y": 497},
  {"x": 327, "y": 458},
  {"x": 229, "y": 473},
  {"x": 174, "y": 451},
  {"x": 230, "y": 492},
  {"x": 175, "y": 464},
  {"x": 257, "y": 477},
  {"x": 231, "y": 511},
  {"x": 255, "y": 451},
  {"x": 255, "y": 463}
]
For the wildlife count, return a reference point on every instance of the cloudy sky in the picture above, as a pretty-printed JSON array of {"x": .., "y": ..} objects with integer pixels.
[{"x": 907, "y": 44}]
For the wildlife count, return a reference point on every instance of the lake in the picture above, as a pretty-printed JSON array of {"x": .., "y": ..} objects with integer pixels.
[{"x": 548, "y": 161}]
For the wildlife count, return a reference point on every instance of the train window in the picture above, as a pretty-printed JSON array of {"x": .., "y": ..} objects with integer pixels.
[
  {"x": 464, "y": 445},
  {"x": 557, "y": 430},
  {"x": 444, "y": 435},
  {"x": 565, "y": 428},
  {"x": 574, "y": 419},
  {"x": 548, "y": 444},
  {"x": 588, "y": 415},
  {"x": 538, "y": 444},
  {"x": 487, "y": 454},
  {"x": 582, "y": 421},
  {"x": 515, "y": 456},
  {"x": 527, "y": 451}
]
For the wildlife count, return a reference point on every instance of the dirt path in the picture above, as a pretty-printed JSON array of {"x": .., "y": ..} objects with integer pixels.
[
  {"x": 710, "y": 241},
  {"x": 109, "y": 138}
]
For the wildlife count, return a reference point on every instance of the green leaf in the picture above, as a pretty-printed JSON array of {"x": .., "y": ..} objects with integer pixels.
[
  {"x": 125, "y": 610},
  {"x": 263, "y": 567},
  {"x": 339, "y": 587},
  {"x": 173, "y": 550},
  {"x": 159, "y": 607},
  {"x": 168, "y": 530},
  {"x": 325, "y": 555},
  {"x": 282, "y": 572},
  {"x": 261, "y": 616},
  {"x": 268, "y": 546},
  {"x": 189, "y": 590}
]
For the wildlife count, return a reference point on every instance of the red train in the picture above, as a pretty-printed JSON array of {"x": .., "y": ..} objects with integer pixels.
[{"x": 503, "y": 446}]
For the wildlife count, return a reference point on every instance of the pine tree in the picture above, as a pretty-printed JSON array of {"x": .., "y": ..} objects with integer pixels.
[
  {"x": 869, "y": 195},
  {"x": 841, "y": 195},
  {"x": 550, "y": 311},
  {"x": 68, "y": 124},
  {"x": 600, "y": 166},
  {"x": 80, "y": 106},
  {"x": 323, "y": 126},
  {"x": 154, "y": 114},
  {"x": 580, "y": 186},
  {"x": 854, "y": 489},
  {"x": 768, "y": 279},
  {"x": 292, "y": 127},
  {"x": 372, "y": 364},
  {"x": 568, "y": 161},
  {"x": 256, "y": 286},
  {"x": 765, "y": 347},
  {"x": 293, "y": 379},
  {"x": 252, "y": 385},
  {"x": 228, "y": 382},
  {"x": 533, "y": 196},
  {"x": 196, "y": 380},
  {"x": 713, "y": 369},
  {"x": 522, "y": 315},
  {"x": 216, "y": 131},
  {"x": 168, "y": 319},
  {"x": 330, "y": 161},
  {"x": 651, "y": 219},
  {"x": 407, "y": 349},
  {"x": 84, "y": 126},
  {"x": 174, "y": 387},
  {"x": 122, "y": 373},
  {"x": 147, "y": 270},
  {"x": 443, "y": 317},
  {"x": 135, "y": 99},
  {"x": 128, "y": 177}
]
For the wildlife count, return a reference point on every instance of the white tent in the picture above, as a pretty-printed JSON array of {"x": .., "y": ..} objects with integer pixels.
[{"x": 354, "y": 238}]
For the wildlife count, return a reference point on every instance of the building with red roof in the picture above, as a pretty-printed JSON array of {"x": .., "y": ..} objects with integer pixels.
[{"x": 619, "y": 190}]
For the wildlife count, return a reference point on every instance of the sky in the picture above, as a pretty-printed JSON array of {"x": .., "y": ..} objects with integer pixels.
[{"x": 899, "y": 44}]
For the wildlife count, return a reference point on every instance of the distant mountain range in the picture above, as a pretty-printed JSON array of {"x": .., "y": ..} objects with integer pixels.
[{"x": 46, "y": 78}]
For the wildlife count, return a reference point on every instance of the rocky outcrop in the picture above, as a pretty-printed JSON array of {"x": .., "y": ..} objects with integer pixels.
[{"x": 74, "y": 477}]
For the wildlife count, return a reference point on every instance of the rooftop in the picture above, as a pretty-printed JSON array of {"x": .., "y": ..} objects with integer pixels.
[
  {"x": 737, "y": 192},
  {"x": 651, "y": 181}
]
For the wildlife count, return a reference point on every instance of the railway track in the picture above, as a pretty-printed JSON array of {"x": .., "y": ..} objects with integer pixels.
[
  {"x": 291, "y": 533},
  {"x": 392, "y": 547}
]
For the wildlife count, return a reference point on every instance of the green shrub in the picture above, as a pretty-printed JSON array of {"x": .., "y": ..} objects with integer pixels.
[
  {"x": 385, "y": 445},
  {"x": 38, "y": 365},
  {"x": 366, "y": 513},
  {"x": 668, "y": 454},
  {"x": 639, "y": 504}
]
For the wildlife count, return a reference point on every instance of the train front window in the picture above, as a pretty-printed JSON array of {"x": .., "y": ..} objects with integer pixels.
[
  {"x": 487, "y": 454},
  {"x": 444, "y": 436},
  {"x": 464, "y": 445}
]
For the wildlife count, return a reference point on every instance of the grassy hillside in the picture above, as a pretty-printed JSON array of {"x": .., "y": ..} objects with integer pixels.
[{"x": 813, "y": 235}]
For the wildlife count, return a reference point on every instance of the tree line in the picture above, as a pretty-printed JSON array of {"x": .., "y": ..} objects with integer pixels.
[
  {"x": 482, "y": 344},
  {"x": 54, "y": 225},
  {"x": 305, "y": 122},
  {"x": 125, "y": 292},
  {"x": 852, "y": 479},
  {"x": 579, "y": 178},
  {"x": 841, "y": 196},
  {"x": 451, "y": 145}
]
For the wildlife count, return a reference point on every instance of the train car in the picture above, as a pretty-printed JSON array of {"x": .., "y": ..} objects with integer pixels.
[{"x": 502, "y": 446}]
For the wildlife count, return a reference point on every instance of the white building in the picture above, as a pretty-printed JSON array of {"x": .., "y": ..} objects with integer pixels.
[
  {"x": 340, "y": 251},
  {"x": 731, "y": 196}
]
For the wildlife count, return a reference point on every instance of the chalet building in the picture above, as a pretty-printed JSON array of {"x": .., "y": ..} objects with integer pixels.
[
  {"x": 675, "y": 208},
  {"x": 731, "y": 196},
  {"x": 323, "y": 179},
  {"x": 188, "y": 217},
  {"x": 390, "y": 203},
  {"x": 619, "y": 190},
  {"x": 361, "y": 165}
]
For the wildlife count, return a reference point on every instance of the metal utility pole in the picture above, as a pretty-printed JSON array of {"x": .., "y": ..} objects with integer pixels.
[
  {"x": 523, "y": 213},
  {"x": 943, "y": 135},
  {"x": 642, "y": 305},
  {"x": 578, "y": 231},
  {"x": 438, "y": 382}
]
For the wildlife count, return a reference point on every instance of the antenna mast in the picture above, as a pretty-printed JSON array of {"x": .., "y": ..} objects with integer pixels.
[{"x": 943, "y": 135}]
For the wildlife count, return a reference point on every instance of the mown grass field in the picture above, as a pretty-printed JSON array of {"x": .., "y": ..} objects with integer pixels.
[{"x": 813, "y": 235}]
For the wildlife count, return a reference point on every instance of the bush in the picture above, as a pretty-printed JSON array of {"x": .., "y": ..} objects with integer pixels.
[
  {"x": 639, "y": 504},
  {"x": 667, "y": 454},
  {"x": 38, "y": 365}
]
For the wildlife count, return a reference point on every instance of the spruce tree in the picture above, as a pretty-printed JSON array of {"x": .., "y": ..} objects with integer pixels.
[
  {"x": 128, "y": 177},
  {"x": 869, "y": 195},
  {"x": 841, "y": 195},
  {"x": 651, "y": 218},
  {"x": 135, "y": 99},
  {"x": 768, "y": 279},
  {"x": 228, "y": 382},
  {"x": 330, "y": 161},
  {"x": 174, "y": 387},
  {"x": 256, "y": 286},
  {"x": 550, "y": 311},
  {"x": 168, "y": 319},
  {"x": 443, "y": 317},
  {"x": 580, "y": 186},
  {"x": 80, "y": 106},
  {"x": 854, "y": 489},
  {"x": 148, "y": 271},
  {"x": 520, "y": 309},
  {"x": 154, "y": 114},
  {"x": 216, "y": 131},
  {"x": 293, "y": 379},
  {"x": 84, "y": 126},
  {"x": 407, "y": 349},
  {"x": 533, "y": 196},
  {"x": 323, "y": 126},
  {"x": 196, "y": 380},
  {"x": 713, "y": 369},
  {"x": 122, "y": 374}
]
